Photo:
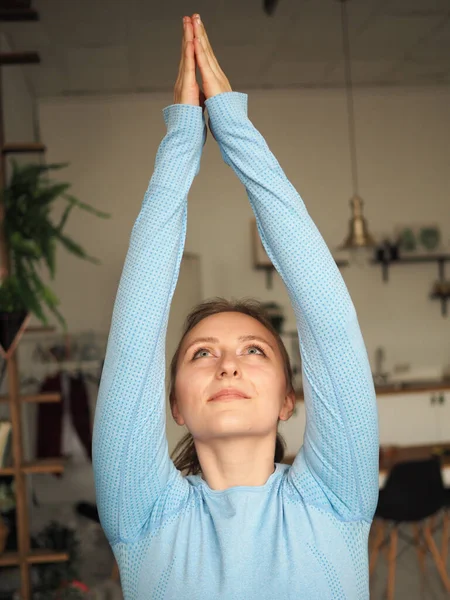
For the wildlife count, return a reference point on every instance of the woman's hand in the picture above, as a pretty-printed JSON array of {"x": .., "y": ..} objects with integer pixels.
[
  {"x": 214, "y": 80},
  {"x": 187, "y": 90}
]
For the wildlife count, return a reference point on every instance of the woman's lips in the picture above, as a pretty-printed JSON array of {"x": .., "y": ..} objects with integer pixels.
[{"x": 229, "y": 396}]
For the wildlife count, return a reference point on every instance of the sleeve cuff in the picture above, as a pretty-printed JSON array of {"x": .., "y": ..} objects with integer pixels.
[
  {"x": 225, "y": 107},
  {"x": 185, "y": 117}
]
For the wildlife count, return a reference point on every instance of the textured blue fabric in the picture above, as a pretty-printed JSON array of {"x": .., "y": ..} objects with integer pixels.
[{"x": 304, "y": 533}]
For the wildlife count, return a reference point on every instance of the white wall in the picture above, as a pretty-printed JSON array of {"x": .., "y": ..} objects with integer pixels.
[
  {"x": 403, "y": 153},
  {"x": 19, "y": 106}
]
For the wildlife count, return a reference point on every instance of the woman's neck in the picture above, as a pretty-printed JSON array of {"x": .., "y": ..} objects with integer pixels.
[{"x": 241, "y": 463}]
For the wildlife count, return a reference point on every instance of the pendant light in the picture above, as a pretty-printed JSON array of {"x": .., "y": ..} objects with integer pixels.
[{"x": 359, "y": 236}]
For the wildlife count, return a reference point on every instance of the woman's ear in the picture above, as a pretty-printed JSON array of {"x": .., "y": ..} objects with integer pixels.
[
  {"x": 288, "y": 406},
  {"x": 176, "y": 413}
]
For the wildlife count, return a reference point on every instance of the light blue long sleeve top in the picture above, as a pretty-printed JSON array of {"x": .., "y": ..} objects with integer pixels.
[{"x": 302, "y": 535}]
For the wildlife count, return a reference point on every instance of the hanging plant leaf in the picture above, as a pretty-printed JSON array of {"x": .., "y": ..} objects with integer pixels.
[
  {"x": 48, "y": 251},
  {"x": 48, "y": 296},
  {"x": 86, "y": 207},
  {"x": 65, "y": 216},
  {"x": 32, "y": 172},
  {"x": 12, "y": 315},
  {"x": 24, "y": 246},
  {"x": 50, "y": 193},
  {"x": 10, "y": 297},
  {"x": 76, "y": 248},
  {"x": 59, "y": 316},
  {"x": 29, "y": 296},
  {"x": 32, "y": 236}
]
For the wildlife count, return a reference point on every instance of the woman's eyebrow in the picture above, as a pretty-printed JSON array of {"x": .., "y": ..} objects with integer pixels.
[{"x": 242, "y": 338}]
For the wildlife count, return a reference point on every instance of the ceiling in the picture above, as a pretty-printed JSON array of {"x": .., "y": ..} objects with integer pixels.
[{"x": 118, "y": 46}]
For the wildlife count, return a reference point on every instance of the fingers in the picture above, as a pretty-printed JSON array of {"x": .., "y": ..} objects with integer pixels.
[
  {"x": 202, "y": 59},
  {"x": 202, "y": 98},
  {"x": 186, "y": 21},
  {"x": 181, "y": 65},
  {"x": 200, "y": 32},
  {"x": 189, "y": 54},
  {"x": 188, "y": 29}
]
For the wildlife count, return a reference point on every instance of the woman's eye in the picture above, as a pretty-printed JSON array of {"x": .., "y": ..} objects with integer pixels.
[
  {"x": 200, "y": 350},
  {"x": 257, "y": 348},
  {"x": 248, "y": 348}
]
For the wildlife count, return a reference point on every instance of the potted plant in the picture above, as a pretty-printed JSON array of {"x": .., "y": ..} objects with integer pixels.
[
  {"x": 59, "y": 581},
  {"x": 32, "y": 237},
  {"x": 12, "y": 311}
]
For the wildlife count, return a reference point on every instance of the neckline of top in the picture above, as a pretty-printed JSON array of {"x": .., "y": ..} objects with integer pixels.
[{"x": 237, "y": 488}]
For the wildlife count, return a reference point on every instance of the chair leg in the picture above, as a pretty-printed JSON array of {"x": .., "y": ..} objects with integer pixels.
[
  {"x": 437, "y": 557},
  {"x": 432, "y": 522},
  {"x": 379, "y": 538},
  {"x": 421, "y": 554},
  {"x": 419, "y": 547},
  {"x": 445, "y": 535},
  {"x": 392, "y": 564}
]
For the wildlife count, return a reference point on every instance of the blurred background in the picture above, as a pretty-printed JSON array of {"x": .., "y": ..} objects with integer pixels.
[{"x": 353, "y": 98}]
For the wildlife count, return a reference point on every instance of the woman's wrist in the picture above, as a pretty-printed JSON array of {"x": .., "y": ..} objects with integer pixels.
[
  {"x": 185, "y": 118},
  {"x": 224, "y": 108}
]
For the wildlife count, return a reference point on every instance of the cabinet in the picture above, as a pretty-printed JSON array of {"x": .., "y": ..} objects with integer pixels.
[
  {"x": 405, "y": 419},
  {"x": 412, "y": 419},
  {"x": 442, "y": 406}
]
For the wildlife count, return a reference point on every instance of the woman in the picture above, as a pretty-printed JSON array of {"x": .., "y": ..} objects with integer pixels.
[{"x": 245, "y": 527}]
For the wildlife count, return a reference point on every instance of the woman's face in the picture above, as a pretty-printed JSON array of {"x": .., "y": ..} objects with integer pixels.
[{"x": 253, "y": 366}]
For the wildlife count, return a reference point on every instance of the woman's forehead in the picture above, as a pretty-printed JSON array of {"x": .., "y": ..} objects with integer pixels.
[
  {"x": 228, "y": 327},
  {"x": 228, "y": 323}
]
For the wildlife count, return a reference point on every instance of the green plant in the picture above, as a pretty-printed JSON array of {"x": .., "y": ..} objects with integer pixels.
[
  {"x": 32, "y": 237},
  {"x": 53, "y": 577},
  {"x": 10, "y": 296},
  {"x": 7, "y": 495}
]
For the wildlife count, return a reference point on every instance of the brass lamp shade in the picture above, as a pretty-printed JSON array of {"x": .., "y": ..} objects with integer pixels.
[{"x": 359, "y": 236}]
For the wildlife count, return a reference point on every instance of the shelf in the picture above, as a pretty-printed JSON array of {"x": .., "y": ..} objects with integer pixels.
[
  {"x": 40, "y": 329},
  {"x": 270, "y": 269},
  {"x": 19, "y": 148},
  {"x": 403, "y": 453},
  {"x": 39, "y": 398},
  {"x": 433, "y": 257},
  {"x": 444, "y": 300},
  {"x": 409, "y": 387},
  {"x": 19, "y": 14},
  {"x": 46, "y": 465},
  {"x": 19, "y": 58},
  {"x": 36, "y": 398},
  {"x": 35, "y": 557},
  {"x": 440, "y": 258},
  {"x": 9, "y": 559}
]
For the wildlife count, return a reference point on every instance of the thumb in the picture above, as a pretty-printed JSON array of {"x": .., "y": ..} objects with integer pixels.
[
  {"x": 210, "y": 128},
  {"x": 202, "y": 99}
]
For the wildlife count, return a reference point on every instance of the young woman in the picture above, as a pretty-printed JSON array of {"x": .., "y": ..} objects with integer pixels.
[{"x": 239, "y": 525}]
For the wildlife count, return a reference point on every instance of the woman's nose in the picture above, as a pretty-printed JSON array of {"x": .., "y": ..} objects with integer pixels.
[
  {"x": 226, "y": 372},
  {"x": 228, "y": 364}
]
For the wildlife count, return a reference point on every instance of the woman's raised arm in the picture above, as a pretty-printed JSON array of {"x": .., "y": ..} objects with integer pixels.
[
  {"x": 337, "y": 467},
  {"x": 131, "y": 462}
]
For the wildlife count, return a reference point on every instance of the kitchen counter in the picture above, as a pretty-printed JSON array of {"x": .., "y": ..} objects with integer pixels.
[
  {"x": 396, "y": 454},
  {"x": 404, "y": 387}
]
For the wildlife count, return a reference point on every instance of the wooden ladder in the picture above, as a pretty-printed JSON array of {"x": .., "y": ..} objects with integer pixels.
[{"x": 24, "y": 557}]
